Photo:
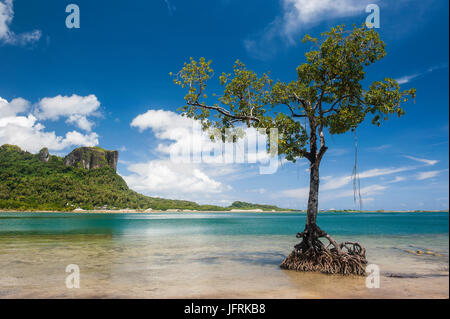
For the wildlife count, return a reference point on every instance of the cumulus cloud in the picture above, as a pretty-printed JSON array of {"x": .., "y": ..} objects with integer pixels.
[
  {"x": 6, "y": 35},
  {"x": 166, "y": 177},
  {"x": 297, "y": 15},
  {"x": 301, "y": 13},
  {"x": 74, "y": 108},
  {"x": 12, "y": 108},
  {"x": 170, "y": 126},
  {"x": 19, "y": 127},
  {"x": 30, "y": 135},
  {"x": 183, "y": 134}
]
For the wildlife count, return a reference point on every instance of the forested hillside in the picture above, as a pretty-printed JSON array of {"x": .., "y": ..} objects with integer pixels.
[{"x": 47, "y": 182}]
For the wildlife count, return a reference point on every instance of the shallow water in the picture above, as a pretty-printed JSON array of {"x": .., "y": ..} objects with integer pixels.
[{"x": 222, "y": 255}]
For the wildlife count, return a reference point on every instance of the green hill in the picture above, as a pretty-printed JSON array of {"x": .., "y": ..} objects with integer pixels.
[
  {"x": 244, "y": 206},
  {"x": 85, "y": 178}
]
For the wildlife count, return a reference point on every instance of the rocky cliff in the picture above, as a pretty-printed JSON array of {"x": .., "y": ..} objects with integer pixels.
[{"x": 91, "y": 158}]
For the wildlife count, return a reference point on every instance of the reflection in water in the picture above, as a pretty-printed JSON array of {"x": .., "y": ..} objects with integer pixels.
[{"x": 205, "y": 255}]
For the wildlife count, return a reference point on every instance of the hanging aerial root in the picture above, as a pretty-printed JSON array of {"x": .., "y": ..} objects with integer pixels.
[{"x": 347, "y": 258}]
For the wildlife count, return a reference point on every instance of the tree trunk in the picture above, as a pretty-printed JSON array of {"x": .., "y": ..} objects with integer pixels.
[
  {"x": 313, "y": 199},
  {"x": 311, "y": 254}
]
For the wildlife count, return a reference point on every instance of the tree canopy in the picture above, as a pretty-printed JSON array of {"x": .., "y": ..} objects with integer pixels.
[{"x": 328, "y": 93}]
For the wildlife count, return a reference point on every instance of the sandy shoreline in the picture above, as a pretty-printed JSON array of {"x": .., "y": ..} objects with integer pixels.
[
  {"x": 344, "y": 288},
  {"x": 139, "y": 211}
]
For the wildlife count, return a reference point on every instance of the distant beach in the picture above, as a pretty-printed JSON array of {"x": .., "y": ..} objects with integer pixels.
[{"x": 151, "y": 211}]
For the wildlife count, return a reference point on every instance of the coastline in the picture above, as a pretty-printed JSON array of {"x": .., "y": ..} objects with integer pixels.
[
  {"x": 141, "y": 211},
  {"x": 138, "y": 211}
]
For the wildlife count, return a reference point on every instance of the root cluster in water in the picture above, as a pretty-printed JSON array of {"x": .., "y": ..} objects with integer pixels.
[{"x": 348, "y": 258}]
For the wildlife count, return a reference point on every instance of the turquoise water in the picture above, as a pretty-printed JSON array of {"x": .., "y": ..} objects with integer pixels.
[
  {"x": 223, "y": 223},
  {"x": 161, "y": 255}
]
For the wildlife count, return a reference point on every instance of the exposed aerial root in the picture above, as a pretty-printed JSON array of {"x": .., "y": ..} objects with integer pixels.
[{"x": 311, "y": 254}]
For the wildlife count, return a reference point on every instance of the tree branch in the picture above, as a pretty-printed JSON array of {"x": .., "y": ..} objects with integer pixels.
[
  {"x": 321, "y": 153},
  {"x": 307, "y": 155},
  {"x": 305, "y": 106},
  {"x": 339, "y": 101},
  {"x": 323, "y": 147},
  {"x": 225, "y": 112},
  {"x": 319, "y": 101},
  {"x": 295, "y": 114}
]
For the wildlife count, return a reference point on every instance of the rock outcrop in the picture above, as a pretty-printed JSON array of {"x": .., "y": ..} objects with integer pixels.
[
  {"x": 43, "y": 155},
  {"x": 92, "y": 158}
]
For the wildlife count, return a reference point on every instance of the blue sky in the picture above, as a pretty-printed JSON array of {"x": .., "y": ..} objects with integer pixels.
[{"x": 63, "y": 88}]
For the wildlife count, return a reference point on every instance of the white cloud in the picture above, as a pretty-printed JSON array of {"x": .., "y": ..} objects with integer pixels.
[
  {"x": 209, "y": 175},
  {"x": 298, "y": 15},
  {"x": 302, "y": 193},
  {"x": 6, "y": 35},
  {"x": 170, "y": 7},
  {"x": 380, "y": 148},
  {"x": 81, "y": 121},
  {"x": 258, "y": 190},
  {"x": 340, "y": 182},
  {"x": 299, "y": 193},
  {"x": 422, "y": 160},
  {"x": 171, "y": 126},
  {"x": 165, "y": 177},
  {"x": 185, "y": 134},
  {"x": 430, "y": 174},
  {"x": 75, "y": 108},
  {"x": 14, "y": 107},
  {"x": 384, "y": 171},
  {"x": 76, "y": 138},
  {"x": 408, "y": 78},
  {"x": 365, "y": 191},
  {"x": 333, "y": 183},
  {"x": 397, "y": 179},
  {"x": 338, "y": 151},
  {"x": 26, "y": 132},
  {"x": 30, "y": 135}
]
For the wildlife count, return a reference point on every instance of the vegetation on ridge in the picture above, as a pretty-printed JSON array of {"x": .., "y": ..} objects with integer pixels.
[{"x": 27, "y": 183}]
